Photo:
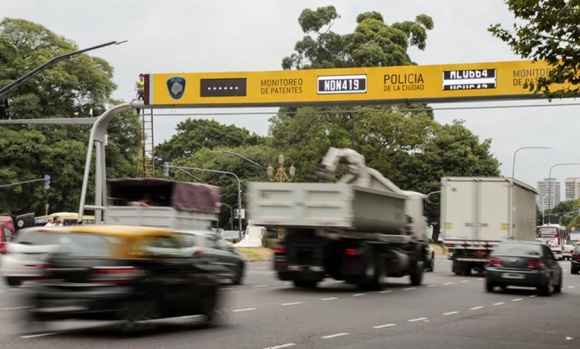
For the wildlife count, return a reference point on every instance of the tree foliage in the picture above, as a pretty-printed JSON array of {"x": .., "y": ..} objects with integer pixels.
[
  {"x": 69, "y": 88},
  {"x": 547, "y": 30}
]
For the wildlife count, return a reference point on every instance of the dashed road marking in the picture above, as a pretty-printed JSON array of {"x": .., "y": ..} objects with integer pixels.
[
  {"x": 418, "y": 319},
  {"x": 359, "y": 294},
  {"x": 385, "y": 325},
  {"x": 282, "y": 346},
  {"x": 387, "y": 291},
  {"x": 533, "y": 296},
  {"x": 477, "y": 308},
  {"x": 451, "y": 313},
  {"x": 39, "y": 335},
  {"x": 465, "y": 281},
  {"x": 245, "y": 309},
  {"x": 517, "y": 299},
  {"x": 292, "y": 303},
  {"x": 571, "y": 286},
  {"x": 260, "y": 286},
  {"x": 499, "y": 303},
  {"x": 431, "y": 285},
  {"x": 409, "y": 288},
  {"x": 17, "y": 308},
  {"x": 328, "y": 299},
  {"x": 448, "y": 283},
  {"x": 335, "y": 335}
]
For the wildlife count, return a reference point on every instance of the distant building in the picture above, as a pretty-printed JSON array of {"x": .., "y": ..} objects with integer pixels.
[
  {"x": 572, "y": 188},
  {"x": 548, "y": 194}
]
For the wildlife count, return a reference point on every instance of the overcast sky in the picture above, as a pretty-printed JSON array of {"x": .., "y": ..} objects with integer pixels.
[{"x": 255, "y": 35}]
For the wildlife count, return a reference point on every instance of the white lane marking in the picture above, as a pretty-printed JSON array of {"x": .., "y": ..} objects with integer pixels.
[
  {"x": 39, "y": 335},
  {"x": 385, "y": 325},
  {"x": 517, "y": 299},
  {"x": 571, "y": 286},
  {"x": 359, "y": 294},
  {"x": 476, "y": 308},
  {"x": 282, "y": 346},
  {"x": 418, "y": 319},
  {"x": 17, "y": 308},
  {"x": 190, "y": 316},
  {"x": 451, "y": 313},
  {"x": 465, "y": 281},
  {"x": 499, "y": 303},
  {"x": 258, "y": 286},
  {"x": 387, "y": 291},
  {"x": 448, "y": 283},
  {"x": 568, "y": 338},
  {"x": 431, "y": 285},
  {"x": 293, "y": 303},
  {"x": 245, "y": 309},
  {"x": 328, "y": 299},
  {"x": 479, "y": 279},
  {"x": 335, "y": 335},
  {"x": 533, "y": 296},
  {"x": 409, "y": 288}
]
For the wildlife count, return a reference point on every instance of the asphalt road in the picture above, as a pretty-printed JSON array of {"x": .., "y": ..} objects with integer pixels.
[{"x": 448, "y": 311}]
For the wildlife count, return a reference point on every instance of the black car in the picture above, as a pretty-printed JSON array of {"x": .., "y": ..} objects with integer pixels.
[
  {"x": 525, "y": 264},
  {"x": 126, "y": 273}
]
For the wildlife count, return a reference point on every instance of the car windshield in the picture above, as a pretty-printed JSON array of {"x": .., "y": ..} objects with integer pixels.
[
  {"x": 514, "y": 249},
  {"x": 89, "y": 245},
  {"x": 34, "y": 237}
]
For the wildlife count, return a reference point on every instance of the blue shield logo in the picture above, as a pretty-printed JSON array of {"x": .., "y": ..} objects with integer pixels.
[{"x": 176, "y": 87}]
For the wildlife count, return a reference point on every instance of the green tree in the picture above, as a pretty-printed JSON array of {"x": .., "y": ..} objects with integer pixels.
[
  {"x": 193, "y": 135},
  {"x": 547, "y": 30},
  {"x": 68, "y": 88}
]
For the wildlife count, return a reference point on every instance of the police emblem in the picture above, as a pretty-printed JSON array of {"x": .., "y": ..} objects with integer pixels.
[{"x": 176, "y": 87}]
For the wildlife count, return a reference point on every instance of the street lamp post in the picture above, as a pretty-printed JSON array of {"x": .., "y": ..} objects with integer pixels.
[
  {"x": 514, "y": 160},
  {"x": 166, "y": 168},
  {"x": 281, "y": 175},
  {"x": 243, "y": 157},
  {"x": 550, "y": 183}
]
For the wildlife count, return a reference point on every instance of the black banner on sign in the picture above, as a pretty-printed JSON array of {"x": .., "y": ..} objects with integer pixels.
[
  {"x": 473, "y": 79},
  {"x": 223, "y": 87},
  {"x": 342, "y": 84}
]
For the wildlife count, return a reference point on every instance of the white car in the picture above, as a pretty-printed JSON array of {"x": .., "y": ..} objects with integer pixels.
[
  {"x": 567, "y": 251},
  {"x": 25, "y": 256}
]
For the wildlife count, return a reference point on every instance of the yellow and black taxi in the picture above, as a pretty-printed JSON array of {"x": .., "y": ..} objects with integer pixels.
[{"x": 127, "y": 273}]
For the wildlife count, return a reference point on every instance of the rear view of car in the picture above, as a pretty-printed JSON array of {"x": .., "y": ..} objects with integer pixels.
[
  {"x": 25, "y": 255},
  {"x": 523, "y": 264},
  {"x": 131, "y": 274},
  {"x": 575, "y": 260}
]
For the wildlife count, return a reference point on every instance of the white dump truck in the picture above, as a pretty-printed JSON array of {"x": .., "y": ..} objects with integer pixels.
[
  {"x": 359, "y": 229},
  {"x": 162, "y": 203},
  {"x": 479, "y": 212}
]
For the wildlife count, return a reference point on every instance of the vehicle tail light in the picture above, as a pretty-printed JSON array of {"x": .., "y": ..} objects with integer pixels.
[
  {"x": 465, "y": 245},
  {"x": 115, "y": 275},
  {"x": 575, "y": 256},
  {"x": 449, "y": 245},
  {"x": 352, "y": 251},
  {"x": 279, "y": 249},
  {"x": 197, "y": 253},
  {"x": 535, "y": 264},
  {"x": 494, "y": 262}
]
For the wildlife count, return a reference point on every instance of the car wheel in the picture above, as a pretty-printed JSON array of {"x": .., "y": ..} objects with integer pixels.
[
  {"x": 239, "y": 275},
  {"x": 305, "y": 283},
  {"x": 431, "y": 265},
  {"x": 213, "y": 316},
  {"x": 135, "y": 316},
  {"x": 489, "y": 286},
  {"x": 546, "y": 289},
  {"x": 558, "y": 287},
  {"x": 573, "y": 271},
  {"x": 13, "y": 282}
]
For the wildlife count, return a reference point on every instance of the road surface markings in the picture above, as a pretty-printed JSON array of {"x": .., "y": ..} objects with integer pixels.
[
  {"x": 359, "y": 294},
  {"x": 418, "y": 319},
  {"x": 431, "y": 285},
  {"x": 533, "y": 296},
  {"x": 385, "y": 325},
  {"x": 282, "y": 346},
  {"x": 448, "y": 283},
  {"x": 328, "y": 299},
  {"x": 335, "y": 335},
  {"x": 465, "y": 281},
  {"x": 479, "y": 279},
  {"x": 450, "y": 313},
  {"x": 409, "y": 288},
  {"x": 17, "y": 308},
  {"x": 499, "y": 303},
  {"x": 571, "y": 286},
  {"x": 293, "y": 303},
  {"x": 476, "y": 308},
  {"x": 387, "y": 291},
  {"x": 245, "y": 309},
  {"x": 517, "y": 299},
  {"x": 258, "y": 286},
  {"x": 39, "y": 335}
]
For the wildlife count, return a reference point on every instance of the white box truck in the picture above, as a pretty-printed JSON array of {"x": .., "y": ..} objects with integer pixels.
[{"x": 479, "y": 212}]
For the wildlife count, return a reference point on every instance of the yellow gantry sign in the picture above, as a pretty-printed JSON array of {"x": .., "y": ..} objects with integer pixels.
[{"x": 377, "y": 85}]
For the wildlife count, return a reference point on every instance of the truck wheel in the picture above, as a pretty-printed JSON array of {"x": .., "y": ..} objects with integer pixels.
[
  {"x": 380, "y": 279},
  {"x": 368, "y": 276},
  {"x": 305, "y": 283},
  {"x": 416, "y": 274}
]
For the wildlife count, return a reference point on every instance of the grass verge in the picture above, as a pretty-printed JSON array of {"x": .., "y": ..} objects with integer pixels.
[{"x": 256, "y": 254}]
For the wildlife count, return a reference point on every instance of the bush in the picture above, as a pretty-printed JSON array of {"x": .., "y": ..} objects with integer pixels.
[{"x": 268, "y": 242}]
